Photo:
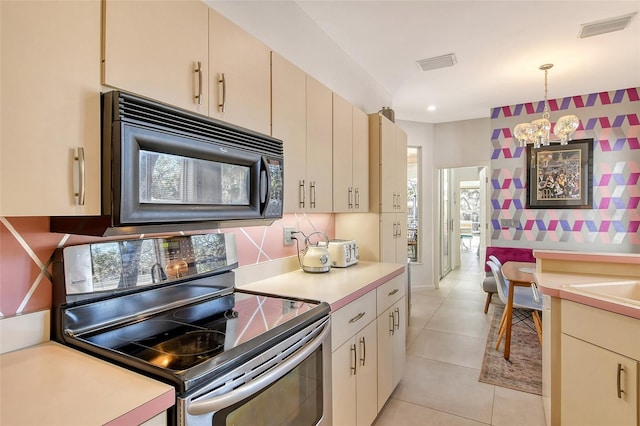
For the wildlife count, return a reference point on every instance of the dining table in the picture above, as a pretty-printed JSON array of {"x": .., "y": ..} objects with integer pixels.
[{"x": 518, "y": 274}]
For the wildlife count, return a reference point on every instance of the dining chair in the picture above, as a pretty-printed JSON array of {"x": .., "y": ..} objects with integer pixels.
[
  {"x": 489, "y": 285},
  {"x": 523, "y": 298}
]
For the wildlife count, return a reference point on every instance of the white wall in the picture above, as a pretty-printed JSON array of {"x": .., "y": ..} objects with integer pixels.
[
  {"x": 421, "y": 135},
  {"x": 462, "y": 143}
]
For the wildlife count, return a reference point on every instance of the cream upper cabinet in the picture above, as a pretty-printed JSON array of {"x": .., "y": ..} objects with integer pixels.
[
  {"x": 388, "y": 165},
  {"x": 50, "y": 108},
  {"x": 289, "y": 111},
  {"x": 350, "y": 158},
  {"x": 158, "y": 49},
  {"x": 302, "y": 117},
  {"x": 319, "y": 147},
  {"x": 240, "y": 76}
]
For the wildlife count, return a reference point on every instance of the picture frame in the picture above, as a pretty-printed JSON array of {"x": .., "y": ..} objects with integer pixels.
[{"x": 560, "y": 176}]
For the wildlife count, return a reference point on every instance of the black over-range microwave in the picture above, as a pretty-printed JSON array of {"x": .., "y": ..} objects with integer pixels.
[{"x": 166, "y": 169}]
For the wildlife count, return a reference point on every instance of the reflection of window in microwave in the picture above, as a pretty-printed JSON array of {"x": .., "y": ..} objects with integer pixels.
[{"x": 166, "y": 178}]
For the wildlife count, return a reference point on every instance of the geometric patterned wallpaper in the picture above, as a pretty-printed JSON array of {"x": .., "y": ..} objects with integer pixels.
[
  {"x": 26, "y": 246},
  {"x": 612, "y": 119}
]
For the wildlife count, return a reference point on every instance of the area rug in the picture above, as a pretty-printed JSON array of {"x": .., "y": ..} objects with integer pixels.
[{"x": 523, "y": 371}]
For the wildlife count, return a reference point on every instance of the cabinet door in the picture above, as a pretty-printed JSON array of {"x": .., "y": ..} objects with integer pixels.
[
  {"x": 319, "y": 150},
  {"x": 343, "y": 383},
  {"x": 153, "y": 48},
  {"x": 388, "y": 156},
  {"x": 240, "y": 73},
  {"x": 391, "y": 349},
  {"x": 388, "y": 237},
  {"x": 400, "y": 175},
  {"x": 50, "y": 106},
  {"x": 354, "y": 377},
  {"x": 401, "y": 238},
  {"x": 366, "y": 375},
  {"x": 343, "y": 190},
  {"x": 360, "y": 173},
  {"x": 590, "y": 383},
  {"x": 289, "y": 124}
]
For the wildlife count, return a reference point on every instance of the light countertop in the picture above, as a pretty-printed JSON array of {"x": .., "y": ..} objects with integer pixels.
[
  {"x": 56, "y": 385},
  {"x": 338, "y": 287},
  {"x": 556, "y": 283}
]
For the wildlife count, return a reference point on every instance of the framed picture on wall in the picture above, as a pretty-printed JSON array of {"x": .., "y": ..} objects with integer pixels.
[{"x": 560, "y": 176}]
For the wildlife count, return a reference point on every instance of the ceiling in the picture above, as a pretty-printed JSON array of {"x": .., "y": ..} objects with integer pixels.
[{"x": 499, "y": 46}]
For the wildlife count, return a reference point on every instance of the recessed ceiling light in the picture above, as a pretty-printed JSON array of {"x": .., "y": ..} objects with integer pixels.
[
  {"x": 437, "y": 62},
  {"x": 605, "y": 26},
  {"x": 431, "y": 108}
]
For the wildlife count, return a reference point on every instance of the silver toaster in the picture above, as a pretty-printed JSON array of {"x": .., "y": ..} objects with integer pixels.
[{"x": 343, "y": 253}]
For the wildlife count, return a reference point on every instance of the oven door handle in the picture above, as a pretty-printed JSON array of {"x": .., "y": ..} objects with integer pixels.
[{"x": 220, "y": 402}]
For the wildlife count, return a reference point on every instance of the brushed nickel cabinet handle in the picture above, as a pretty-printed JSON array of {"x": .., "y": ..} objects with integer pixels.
[
  {"x": 354, "y": 359},
  {"x": 301, "y": 194},
  {"x": 392, "y": 317},
  {"x": 198, "y": 70},
  {"x": 363, "y": 355},
  {"x": 312, "y": 196},
  {"x": 356, "y": 318},
  {"x": 620, "y": 391},
  {"x": 81, "y": 176},
  {"x": 395, "y": 290},
  {"x": 357, "y": 198},
  {"x": 396, "y": 325},
  {"x": 222, "y": 80},
  {"x": 350, "y": 197}
]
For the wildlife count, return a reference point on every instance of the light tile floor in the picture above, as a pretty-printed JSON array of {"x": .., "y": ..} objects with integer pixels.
[{"x": 445, "y": 346}]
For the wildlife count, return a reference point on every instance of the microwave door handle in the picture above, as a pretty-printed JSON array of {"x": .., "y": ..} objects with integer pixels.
[
  {"x": 220, "y": 402},
  {"x": 264, "y": 188}
]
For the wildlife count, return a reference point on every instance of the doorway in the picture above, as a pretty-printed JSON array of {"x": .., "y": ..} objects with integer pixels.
[{"x": 462, "y": 211}]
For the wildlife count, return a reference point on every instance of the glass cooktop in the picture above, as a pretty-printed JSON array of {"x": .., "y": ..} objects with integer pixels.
[{"x": 186, "y": 336}]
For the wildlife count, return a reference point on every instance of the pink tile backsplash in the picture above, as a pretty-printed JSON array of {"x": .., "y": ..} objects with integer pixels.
[{"x": 26, "y": 246}]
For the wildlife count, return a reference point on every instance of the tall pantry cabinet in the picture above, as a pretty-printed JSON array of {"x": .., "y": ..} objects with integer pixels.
[
  {"x": 50, "y": 111},
  {"x": 382, "y": 233}
]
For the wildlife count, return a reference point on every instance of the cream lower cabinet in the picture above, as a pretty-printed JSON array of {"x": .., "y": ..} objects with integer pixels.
[
  {"x": 50, "y": 108},
  {"x": 354, "y": 379},
  {"x": 599, "y": 367},
  {"x": 392, "y": 330},
  {"x": 158, "y": 49},
  {"x": 354, "y": 362}
]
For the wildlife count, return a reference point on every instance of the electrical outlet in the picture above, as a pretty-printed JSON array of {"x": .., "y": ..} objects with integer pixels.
[{"x": 288, "y": 235}]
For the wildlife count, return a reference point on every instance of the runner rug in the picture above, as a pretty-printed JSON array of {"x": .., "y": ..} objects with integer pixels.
[{"x": 523, "y": 371}]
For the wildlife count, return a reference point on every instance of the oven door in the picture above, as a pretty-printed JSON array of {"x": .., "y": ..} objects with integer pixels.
[{"x": 288, "y": 384}]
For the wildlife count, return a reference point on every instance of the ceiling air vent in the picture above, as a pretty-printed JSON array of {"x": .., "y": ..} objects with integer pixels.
[
  {"x": 605, "y": 26},
  {"x": 437, "y": 62}
]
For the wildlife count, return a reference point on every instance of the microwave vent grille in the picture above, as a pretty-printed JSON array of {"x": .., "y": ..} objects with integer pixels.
[{"x": 155, "y": 114}]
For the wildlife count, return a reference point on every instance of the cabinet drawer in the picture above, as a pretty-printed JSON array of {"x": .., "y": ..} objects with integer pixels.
[
  {"x": 390, "y": 292},
  {"x": 347, "y": 321},
  {"x": 606, "y": 329}
]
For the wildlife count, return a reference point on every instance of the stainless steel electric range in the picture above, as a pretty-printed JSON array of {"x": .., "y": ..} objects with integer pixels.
[{"x": 168, "y": 308}]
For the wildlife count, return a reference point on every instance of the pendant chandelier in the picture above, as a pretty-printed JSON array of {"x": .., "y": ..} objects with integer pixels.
[{"x": 537, "y": 132}]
